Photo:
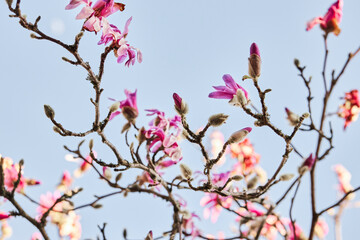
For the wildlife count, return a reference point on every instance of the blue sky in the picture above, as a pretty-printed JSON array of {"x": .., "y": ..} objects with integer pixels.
[{"x": 187, "y": 46}]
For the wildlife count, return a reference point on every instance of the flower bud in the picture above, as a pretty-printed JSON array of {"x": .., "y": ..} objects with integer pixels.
[
  {"x": 91, "y": 144},
  {"x": 297, "y": 63},
  {"x": 237, "y": 178},
  {"x": 4, "y": 216},
  {"x": 49, "y": 112},
  {"x": 252, "y": 183},
  {"x": 186, "y": 172},
  {"x": 130, "y": 113},
  {"x": 115, "y": 106},
  {"x": 217, "y": 119},
  {"x": 309, "y": 162},
  {"x": 149, "y": 236},
  {"x": 293, "y": 118},
  {"x": 107, "y": 173},
  {"x": 254, "y": 61},
  {"x": 180, "y": 105},
  {"x": 286, "y": 177},
  {"x": 240, "y": 135}
]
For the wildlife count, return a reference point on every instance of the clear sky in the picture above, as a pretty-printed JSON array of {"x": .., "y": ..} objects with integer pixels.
[{"x": 187, "y": 46}]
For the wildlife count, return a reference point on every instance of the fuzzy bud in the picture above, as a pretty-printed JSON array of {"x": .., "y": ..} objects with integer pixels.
[
  {"x": 240, "y": 135},
  {"x": 149, "y": 236},
  {"x": 49, "y": 112},
  {"x": 292, "y": 117},
  {"x": 180, "y": 105},
  {"x": 91, "y": 144},
  {"x": 309, "y": 162},
  {"x": 286, "y": 177},
  {"x": 303, "y": 169},
  {"x": 254, "y": 61},
  {"x": 186, "y": 172},
  {"x": 252, "y": 183},
  {"x": 141, "y": 135},
  {"x": 115, "y": 106},
  {"x": 57, "y": 130},
  {"x": 217, "y": 119},
  {"x": 237, "y": 178},
  {"x": 118, "y": 177},
  {"x": 297, "y": 63}
]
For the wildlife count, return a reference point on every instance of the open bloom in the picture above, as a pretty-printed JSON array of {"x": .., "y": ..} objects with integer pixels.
[
  {"x": 232, "y": 91},
  {"x": 329, "y": 22},
  {"x": 96, "y": 13},
  {"x": 351, "y": 108},
  {"x": 344, "y": 177},
  {"x": 128, "y": 107},
  {"x": 246, "y": 156}
]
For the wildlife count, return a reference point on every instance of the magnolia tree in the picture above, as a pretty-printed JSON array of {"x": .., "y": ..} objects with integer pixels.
[{"x": 240, "y": 187}]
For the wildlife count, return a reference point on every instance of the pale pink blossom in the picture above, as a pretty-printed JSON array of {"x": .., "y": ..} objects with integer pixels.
[
  {"x": 247, "y": 158},
  {"x": 36, "y": 236},
  {"x": 214, "y": 204},
  {"x": 344, "y": 178},
  {"x": 217, "y": 143},
  {"x": 6, "y": 230},
  {"x": 47, "y": 201},
  {"x": 321, "y": 229},
  {"x": 85, "y": 165},
  {"x": 329, "y": 22},
  {"x": 350, "y": 109},
  {"x": 66, "y": 181},
  {"x": 188, "y": 224}
]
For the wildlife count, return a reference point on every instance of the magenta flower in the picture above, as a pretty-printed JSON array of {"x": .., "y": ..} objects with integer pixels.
[
  {"x": 309, "y": 162},
  {"x": 330, "y": 22},
  {"x": 95, "y": 14},
  {"x": 4, "y": 216},
  {"x": 128, "y": 107},
  {"x": 214, "y": 208},
  {"x": 231, "y": 90}
]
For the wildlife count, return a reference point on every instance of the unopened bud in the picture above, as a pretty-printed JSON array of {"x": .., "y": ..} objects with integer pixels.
[
  {"x": 126, "y": 127},
  {"x": 49, "y": 112},
  {"x": 286, "y": 177},
  {"x": 180, "y": 105},
  {"x": 57, "y": 130},
  {"x": 118, "y": 177},
  {"x": 254, "y": 61},
  {"x": 91, "y": 144},
  {"x": 149, "y": 236},
  {"x": 239, "y": 135},
  {"x": 141, "y": 135},
  {"x": 130, "y": 113},
  {"x": 186, "y": 172},
  {"x": 115, "y": 106},
  {"x": 252, "y": 183},
  {"x": 297, "y": 63},
  {"x": 303, "y": 169},
  {"x": 309, "y": 162},
  {"x": 217, "y": 119},
  {"x": 107, "y": 173},
  {"x": 293, "y": 118},
  {"x": 96, "y": 206},
  {"x": 33, "y": 35},
  {"x": 237, "y": 178},
  {"x": 21, "y": 163},
  {"x": 306, "y": 115}
]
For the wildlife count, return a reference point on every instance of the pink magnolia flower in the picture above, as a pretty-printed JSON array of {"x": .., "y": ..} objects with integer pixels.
[
  {"x": 128, "y": 107},
  {"x": 66, "y": 181},
  {"x": 344, "y": 178},
  {"x": 298, "y": 231},
  {"x": 351, "y": 108},
  {"x": 85, "y": 165},
  {"x": 6, "y": 230},
  {"x": 95, "y": 14},
  {"x": 107, "y": 173},
  {"x": 36, "y": 236},
  {"x": 11, "y": 176},
  {"x": 188, "y": 224},
  {"x": 246, "y": 156},
  {"x": 321, "y": 229},
  {"x": 217, "y": 142},
  {"x": 164, "y": 134},
  {"x": 215, "y": 204},
  {"x": 47, "y": 201},
  {"x": 330, "y": 22},
  {"x": 230, "y": 91}
]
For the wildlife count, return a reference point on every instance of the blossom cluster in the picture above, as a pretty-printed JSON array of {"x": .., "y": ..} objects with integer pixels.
[
  {"x": 350, "y": 109},
  {"x": 95, "y": 16}
]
